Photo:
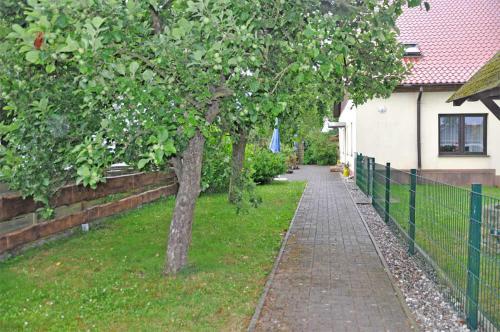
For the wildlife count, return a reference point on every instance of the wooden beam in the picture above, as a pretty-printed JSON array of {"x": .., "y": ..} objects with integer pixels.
[
  {"x": 492, "y": 106},
  {"x": 488, "y": 94},
  {"x": 459, "y": 102}
]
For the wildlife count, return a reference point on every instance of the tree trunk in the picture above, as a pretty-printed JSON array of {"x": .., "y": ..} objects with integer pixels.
[
  {"x": 237, "y": 163},
  {"x": 300, "y": 152},
  {"x": 189, "y": 177}
]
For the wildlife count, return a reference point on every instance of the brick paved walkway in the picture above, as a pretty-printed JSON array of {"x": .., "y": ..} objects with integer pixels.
[{"x": 330, "y": 277}]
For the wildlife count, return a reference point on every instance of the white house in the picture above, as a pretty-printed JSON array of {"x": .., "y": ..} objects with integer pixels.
[{"x": 415, "y": 127}]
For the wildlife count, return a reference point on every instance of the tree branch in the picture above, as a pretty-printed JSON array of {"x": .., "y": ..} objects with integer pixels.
[
  {"x": 193, "y": 102},
  {"x": 221, "y": 92},
  {"x": 279, "y": 77},
  {"x": 213, "y": 111},
  {"x": 151, "y": 65},
  {"x": 157, "y": 22},
  {"x": 156, "y": 18},
  {"x": 177, "y": 166}
]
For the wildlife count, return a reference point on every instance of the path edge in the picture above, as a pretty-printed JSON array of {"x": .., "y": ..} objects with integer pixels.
[
  {"x": 399, "y": 294},
  {"x": 262, "y": 299}
]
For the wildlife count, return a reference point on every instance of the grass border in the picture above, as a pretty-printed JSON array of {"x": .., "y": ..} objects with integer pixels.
[{"x": 267, "y": 287}]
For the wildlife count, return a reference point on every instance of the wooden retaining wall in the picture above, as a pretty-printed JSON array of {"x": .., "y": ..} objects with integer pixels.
[{"x": 13, "y": 205}]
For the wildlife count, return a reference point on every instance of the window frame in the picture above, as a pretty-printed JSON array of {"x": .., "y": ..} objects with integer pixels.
[{"x": 461, "y": 134}]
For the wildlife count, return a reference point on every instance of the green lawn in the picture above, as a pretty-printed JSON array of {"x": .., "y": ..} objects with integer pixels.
[
  {"x": 492, "y": 191},
  {"x": 442, "y": 227},
  {"x": 110, "y": 278}
]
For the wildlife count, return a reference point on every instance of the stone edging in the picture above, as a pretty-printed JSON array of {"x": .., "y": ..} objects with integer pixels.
[
  {"x": 260, "y": 304},
  {"x": 399, "y": 294}
]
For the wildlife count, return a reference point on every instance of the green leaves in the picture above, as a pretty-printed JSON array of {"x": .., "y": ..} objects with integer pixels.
[
  {"x": 120, "y": 68},
  {"x": 148, "y": 75},
  {"x": 50, "y": 68},
  {"x": 70, "y": 46},
  {"x": 83, "y": 172},
  {"x": 198, "y": 55},
  {"x": 142, "y": 163},
  {"x": 33, "y": 56},
  {"x": 133, "y": 67},
  {"x": 62, "y": 21},
  {"x": 97, "y": 22},
  {"x": 89, "y": 177},
  {"x": 414, "y": 3},
  {"x": 161, "y": 147},
  {"x": 119, "y": 93},
  {"x": 18, "y": 29},
  {"x": 183, "y": 27},
  {"x": 309, "y": 32},
  {"x": 5, "y": 129}
]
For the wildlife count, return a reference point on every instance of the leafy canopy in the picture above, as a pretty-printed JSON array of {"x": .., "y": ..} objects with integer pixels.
[{"x": 102, "y": 87}]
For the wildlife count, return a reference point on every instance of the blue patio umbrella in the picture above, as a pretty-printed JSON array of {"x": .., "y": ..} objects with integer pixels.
[{"x": 274, "y": 146}]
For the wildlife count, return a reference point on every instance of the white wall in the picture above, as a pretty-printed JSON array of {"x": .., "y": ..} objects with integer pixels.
[
  {"x": 347, "y": 135},
  {"x": 391, "y": 135}
]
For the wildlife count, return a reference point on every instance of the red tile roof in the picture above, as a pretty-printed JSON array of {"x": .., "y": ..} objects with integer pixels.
[{"x": 456, "y": 37}]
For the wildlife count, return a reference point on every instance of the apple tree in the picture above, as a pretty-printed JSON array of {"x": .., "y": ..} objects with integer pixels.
[{"x": 88, "y": 83}]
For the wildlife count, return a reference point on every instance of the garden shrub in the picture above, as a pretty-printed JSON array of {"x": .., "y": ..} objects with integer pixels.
[
  {"x": 261, "y": 165},
  {"x": 266, "y": 165},
  {"x": 320, "y": 149},
  {"x": 291, "y": 158},
  {"x": 216, "y": 169}
]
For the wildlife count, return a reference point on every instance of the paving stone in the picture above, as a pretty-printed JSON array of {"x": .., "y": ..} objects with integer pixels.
[{"x": 330, "y": 277}]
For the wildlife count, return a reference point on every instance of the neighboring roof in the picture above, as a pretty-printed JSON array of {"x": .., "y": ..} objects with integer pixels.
[
  {"x": 455, "y": 37},
  {"x": 486, "y": 79}
]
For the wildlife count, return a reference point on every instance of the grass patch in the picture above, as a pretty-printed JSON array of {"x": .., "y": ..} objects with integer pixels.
[
  {"x": 110, "y": 278},
  {"x": 492, "y": 192}
]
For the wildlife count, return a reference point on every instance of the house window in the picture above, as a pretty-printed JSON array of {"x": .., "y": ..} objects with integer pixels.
[{"x": 462, "y": 134}]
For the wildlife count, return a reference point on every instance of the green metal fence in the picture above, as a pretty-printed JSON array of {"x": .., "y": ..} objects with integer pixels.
[{"x": 456, "y": 230}]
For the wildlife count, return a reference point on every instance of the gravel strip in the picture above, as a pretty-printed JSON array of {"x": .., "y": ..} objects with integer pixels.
[{"x": 415, "y": 280}]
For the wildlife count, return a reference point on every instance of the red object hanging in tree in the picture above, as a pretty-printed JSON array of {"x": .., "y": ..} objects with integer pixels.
[{"x": 38, "y": 40}]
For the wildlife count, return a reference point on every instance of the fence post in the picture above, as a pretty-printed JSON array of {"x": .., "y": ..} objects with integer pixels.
[
  {"x": 367, "y": 177},
  {"x": 411, "y": 230},
  {"x": 372, "y": 182},
  {"x": 387, "y": 190},
  {"x": 356, "y": 170},
  {"x": 474, "y": 256},
  {"x": 361, "y": 171}
]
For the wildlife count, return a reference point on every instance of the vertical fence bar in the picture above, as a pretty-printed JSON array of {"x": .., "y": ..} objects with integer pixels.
[
  {"x": 474, "y": 256},
  {"x": 387, "y": 190},
  {"x": 411, "y": 229}
]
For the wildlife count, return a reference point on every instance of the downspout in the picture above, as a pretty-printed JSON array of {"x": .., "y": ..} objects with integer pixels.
[
  {"x": 419, "y": 140},
  {"x": 345, "y": 144}
]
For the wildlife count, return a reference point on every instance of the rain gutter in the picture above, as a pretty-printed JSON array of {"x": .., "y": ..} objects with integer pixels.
[{"x": 419, "y": 139}]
